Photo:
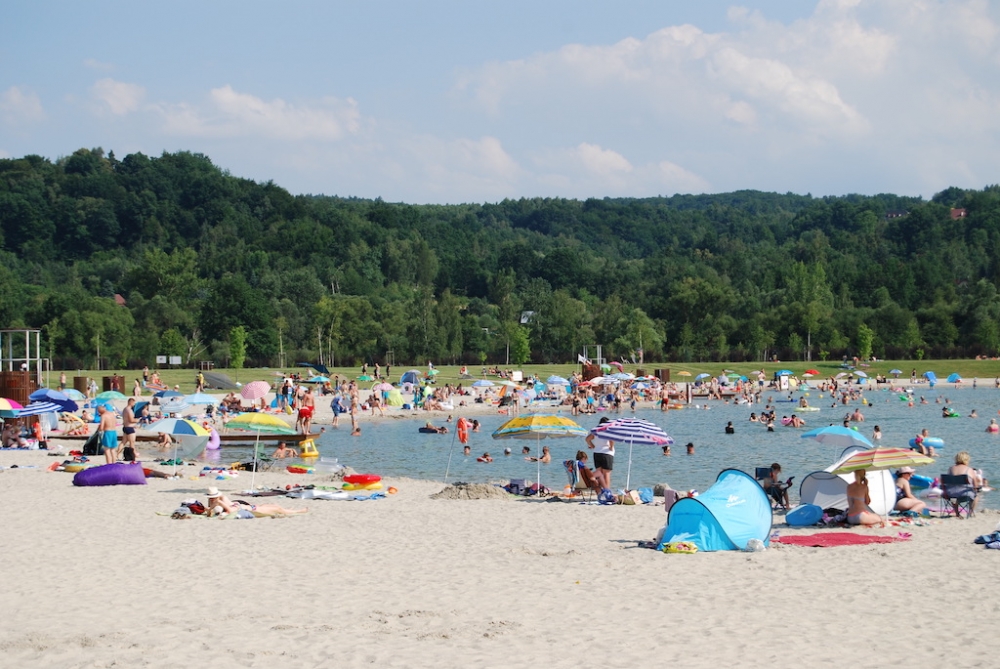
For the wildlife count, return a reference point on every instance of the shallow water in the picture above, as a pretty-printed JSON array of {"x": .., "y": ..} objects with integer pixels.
[{"x": 394, "y": 447}]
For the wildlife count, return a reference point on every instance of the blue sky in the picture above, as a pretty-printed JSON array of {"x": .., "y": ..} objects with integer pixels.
[{"x": 437, "y": 101}]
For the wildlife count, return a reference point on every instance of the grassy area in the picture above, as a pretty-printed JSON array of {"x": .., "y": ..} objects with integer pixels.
[{"x": 185, "y": 378}]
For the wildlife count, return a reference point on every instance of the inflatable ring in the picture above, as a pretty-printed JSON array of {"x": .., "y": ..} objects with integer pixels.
[
  {"x": 686, "y": 547},
  {"x": 362, "y": 478},
  {"x": 936, "y": 442},
  {"x": 363, "y": 486},
  {"x": 463, "y": 430},
  {"x": 918, "y": 482},
  {"x": 300, "y": 469}
]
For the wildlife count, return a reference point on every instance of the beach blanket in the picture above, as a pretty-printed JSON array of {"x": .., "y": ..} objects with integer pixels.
[{"x": 832, "y": 539}]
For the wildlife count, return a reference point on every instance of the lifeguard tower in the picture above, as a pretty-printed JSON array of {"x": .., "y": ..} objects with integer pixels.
[{"x": 20, "y": 363}]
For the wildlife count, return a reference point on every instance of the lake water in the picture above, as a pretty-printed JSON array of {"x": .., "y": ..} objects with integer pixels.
[{"x": 394, "y": 447}]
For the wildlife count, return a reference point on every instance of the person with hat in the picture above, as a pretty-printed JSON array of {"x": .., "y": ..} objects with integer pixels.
[
  {"x": 905, "y": 499},
  {"x": 219, "y": 504}
]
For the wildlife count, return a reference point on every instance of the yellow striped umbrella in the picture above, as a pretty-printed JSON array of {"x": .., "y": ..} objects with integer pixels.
[{"x": 882, "y": 458}]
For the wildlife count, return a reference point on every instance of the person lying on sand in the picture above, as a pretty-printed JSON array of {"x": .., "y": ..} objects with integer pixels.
[{"x": 219, "y": 504}]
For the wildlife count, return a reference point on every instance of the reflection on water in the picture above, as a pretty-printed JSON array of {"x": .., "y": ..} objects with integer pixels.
[{"x": 394, "y": 447}]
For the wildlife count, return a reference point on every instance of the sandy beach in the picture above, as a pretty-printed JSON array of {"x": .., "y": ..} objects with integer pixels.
[{"x": 96, "y": 578}]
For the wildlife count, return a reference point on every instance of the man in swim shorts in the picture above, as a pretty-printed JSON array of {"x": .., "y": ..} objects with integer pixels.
[
  {"x": 109, "y": 434},
  {"x": 129, "y": 421}
]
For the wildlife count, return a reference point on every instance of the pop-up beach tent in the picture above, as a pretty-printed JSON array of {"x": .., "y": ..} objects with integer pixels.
[
  {"x": 412, "y": 376},
  {"x": 829, "y": 491},
  {"x": 723, "y": 518}
]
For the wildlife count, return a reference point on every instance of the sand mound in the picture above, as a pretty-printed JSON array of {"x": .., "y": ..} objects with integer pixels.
[{"x": 471, "y": 491}]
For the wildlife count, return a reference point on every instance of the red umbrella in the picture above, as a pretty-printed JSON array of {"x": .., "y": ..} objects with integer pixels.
[
  {"x": 812, "y": 371},
  {"x": 255, "y": 390}
]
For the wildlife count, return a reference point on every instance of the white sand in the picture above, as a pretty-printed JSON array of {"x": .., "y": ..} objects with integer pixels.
[{"x": 92, "y": 577}]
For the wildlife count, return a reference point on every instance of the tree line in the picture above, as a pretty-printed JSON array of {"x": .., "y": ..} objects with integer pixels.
[{"x": 127, "y": 259}]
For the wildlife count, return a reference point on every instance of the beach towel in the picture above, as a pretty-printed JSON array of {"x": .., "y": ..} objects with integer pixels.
[{"x": 833, "y": 539}]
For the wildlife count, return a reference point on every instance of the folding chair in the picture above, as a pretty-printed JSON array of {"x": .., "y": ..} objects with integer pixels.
[
  {"x": 774, "y": 489},
  {"x": 958, "y": 489},
  {"x": 578, "y": 479}
]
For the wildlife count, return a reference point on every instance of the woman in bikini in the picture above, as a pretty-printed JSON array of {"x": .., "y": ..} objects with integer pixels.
[
  {"x": 217, "y": 500},
  {"x": 858, "y": 499}
]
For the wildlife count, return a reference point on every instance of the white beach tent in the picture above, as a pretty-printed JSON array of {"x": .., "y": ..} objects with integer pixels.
[{"x": 829, "y": 491}]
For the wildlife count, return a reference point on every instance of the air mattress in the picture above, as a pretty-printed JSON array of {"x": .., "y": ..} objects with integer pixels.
[{"x": 117, "y": 473}]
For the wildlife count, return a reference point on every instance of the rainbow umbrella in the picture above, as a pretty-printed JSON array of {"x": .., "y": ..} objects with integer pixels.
[
  {"x": 882, "y": 458},
  {"x": 10, "y": 407},
  {"x": 538, "y": 427}
]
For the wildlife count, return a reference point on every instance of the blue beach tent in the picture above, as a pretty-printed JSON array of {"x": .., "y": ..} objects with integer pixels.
[
  {"x": 931, "y": 378},
  {"x": 723, "y": 518}
]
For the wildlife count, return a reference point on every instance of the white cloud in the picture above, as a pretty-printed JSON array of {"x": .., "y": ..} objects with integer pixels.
[
  {"x": 18, "y": 106},
  {"x": 94, "y": 64},
  {"x": 118, "y": 97},
  {"x": 230, "y": 113}
]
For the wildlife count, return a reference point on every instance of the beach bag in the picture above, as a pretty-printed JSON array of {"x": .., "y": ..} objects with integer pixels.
[
  {"x": 128, "y": 454},
  {"x": 646, "y": 495},
  {"x": 516, "y": 487},
  {"x": 606, "y": 496}
]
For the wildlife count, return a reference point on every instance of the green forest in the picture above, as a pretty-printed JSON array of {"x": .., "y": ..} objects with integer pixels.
[{"x": 126, "y": 259}]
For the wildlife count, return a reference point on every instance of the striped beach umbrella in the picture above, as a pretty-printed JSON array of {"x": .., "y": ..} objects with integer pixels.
[
  {"x": 882, "y": 458},
  {"x": 108, "y": 395},
  {"x": 261, "y": 423},
  {"x": 38, "y": 408},
  {"x": 634, "y": 431},
  {"x": 200, "y": 398}
]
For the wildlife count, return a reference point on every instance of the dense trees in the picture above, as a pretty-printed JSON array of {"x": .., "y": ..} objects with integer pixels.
[{"x": 131, "y": 258}]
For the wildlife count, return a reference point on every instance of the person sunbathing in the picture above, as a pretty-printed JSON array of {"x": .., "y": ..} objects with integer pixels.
[
  {"x": 219, "y": 504},
  {"x": 858, "y": 499},
  {"x": 905, "y": 499}
]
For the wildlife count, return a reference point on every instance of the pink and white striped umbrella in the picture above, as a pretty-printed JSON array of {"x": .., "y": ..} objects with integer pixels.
[{"x": 255, "y": 390}]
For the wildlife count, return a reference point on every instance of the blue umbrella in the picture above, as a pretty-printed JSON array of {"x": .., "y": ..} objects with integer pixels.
[
  {"x": 200, "y": 398},
  {"x": 483, "y": 383},
  {"x": 168, "y": 394},
  {"x": 784, "y": 372},
  {"x": 556, "y": 381},
  {"x": 895, "y": 371},
  {"x": 836, "y": 435},
  {"x": 701, "y": 376},
  {"x": 953, "y": 378},
  {"x": 56, "y": 397}
]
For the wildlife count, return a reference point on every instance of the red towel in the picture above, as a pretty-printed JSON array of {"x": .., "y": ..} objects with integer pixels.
[{"x": 831, "y": 539}]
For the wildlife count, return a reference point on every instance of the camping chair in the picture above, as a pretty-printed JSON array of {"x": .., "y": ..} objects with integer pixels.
[
  {"x": 578, "y": 479},
  {"x": 773, "y": 489},
  {"x": 958, "y": 489}
]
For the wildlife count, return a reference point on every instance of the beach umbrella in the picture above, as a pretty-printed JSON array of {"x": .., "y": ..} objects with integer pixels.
[
  {"x": 261, "y": 423},
  {"x": 620, "y": 366},
  {"x": 882, "y": 458},
  {"x": 366, "y": 377},
  {"x": 166, "y": 394},
  {"x": 634, "y": 431},
  {"x": 7, "y": 404},
  {"x": 509, "y": 384},
  {"x": 861, "y": 375},
  {"x": 432, "y": 372},
  {"x": 896, "y": 372},
  {"x": 318, "y": 379},
  {"x": 953, "y": 378},
  {"x": 836, "y": 435},
  {"x": 538, "y": 427},
  {"x": 683, "y": 373},
  {"x": 784, "y": 372},
  {"x": 38, "y": 408},
  {"x": 841, "y": 375},
  {"x": 640, "y": 385},
  {"x": 178, "y": 427},
  {"x": 174, "y": 405},
  {"x": 556, "y": 381},
  {"x": 623, "y": 376},
  {"x": 701, "y": 376},
  {"x": 54, "y": 396},
  {"x": 200, "y": 398},
  {"x": 74, "y": 394},
  {"x": 110, "y": 395},
  {"x": 483, "y": 383},
  {"x": 255, "y": 390},
  {"x": 814, "y": 372},
  {"x": 382, "y": 387},
  {"x": 605, "y": 367}
]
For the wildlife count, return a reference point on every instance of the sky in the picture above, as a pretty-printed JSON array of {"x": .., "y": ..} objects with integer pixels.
[{"x": 451, "y": 101}]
